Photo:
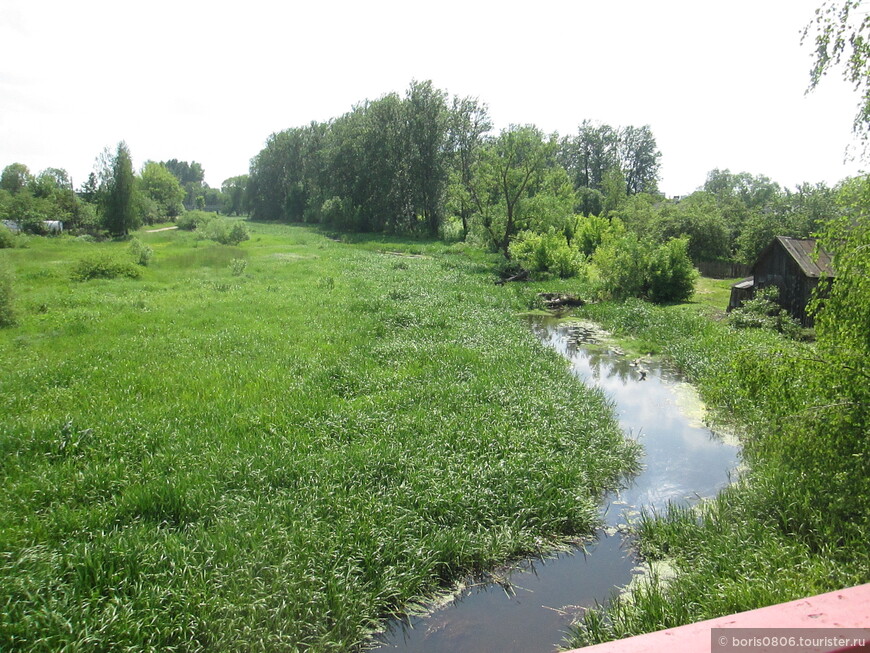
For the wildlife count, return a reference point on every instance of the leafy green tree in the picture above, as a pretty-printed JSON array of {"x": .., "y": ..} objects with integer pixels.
[
  {"x": 27, "y": 211},
  {"x": 163, "y": 188},
  {"x": 639, "y": 159},
  {"x": 427, "y": 122},
  {"x": 696, "y": 217},
  {"x": 511, "y": 166},
  {"x": 590, "y": 154},
  {"x": 190, "y": 175},
  {"x": 268, "y": 182},
  {"x": 469, "y": 123},
  {"x": 119, "y": 205},
  {"x": 15, "y": 178},
  {"x": 671, "y": 273},
  {"x": 640, "y": 213},
  {"x": 545, "y": 253},
  {"x": 622, "y": 260},
  {"x": 550, "y": 205},
  {"x": 590, "y": 201},
  {"x": 234, "y": 192},
  {"x": 614, "y": 191},
  {"x": 49, "y": 182},
  {"x": 840, "y": 34},
  {"x": 185, "y": 172},
  {"x": 633, "y": 267},
  {"x": 90, "y": 188},
  {"x": 589, "y": 232}
]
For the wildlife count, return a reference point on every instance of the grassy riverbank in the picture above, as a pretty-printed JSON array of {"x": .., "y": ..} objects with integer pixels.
[
  {"x": 798, "y": 521},
  {"x": 274, "y": 445}
]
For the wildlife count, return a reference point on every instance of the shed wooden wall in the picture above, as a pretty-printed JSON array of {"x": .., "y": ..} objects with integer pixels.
[{"x": 777, "y": 268}]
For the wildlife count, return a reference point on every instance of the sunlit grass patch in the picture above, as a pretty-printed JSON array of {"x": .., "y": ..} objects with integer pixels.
[{"x": 200, "y": 459}]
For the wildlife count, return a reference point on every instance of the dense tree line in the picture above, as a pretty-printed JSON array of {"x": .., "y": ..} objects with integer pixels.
[
  {"x": 113, "y": 199},
  {"x": 424, "y": 162},
  {"x": 732, "y": 217},
  {"x": 409, "y": 163}
]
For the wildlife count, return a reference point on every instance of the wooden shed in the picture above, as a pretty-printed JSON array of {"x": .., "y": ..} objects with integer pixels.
[{"x": 794, "y": 266}]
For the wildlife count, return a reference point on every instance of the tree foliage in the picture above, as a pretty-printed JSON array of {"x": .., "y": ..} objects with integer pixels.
[
  {"x": 840, "y": 35},
  {"x": 597, "y": 150},
  {"x": 119, "y": 203},
  {"x": 162, "y": 187},
  {"x": 235, "y": 195},
  {"x": 634, "y": 267},
  {"x": 468, "y": 124},
  {"x": 508, "y": 175}
]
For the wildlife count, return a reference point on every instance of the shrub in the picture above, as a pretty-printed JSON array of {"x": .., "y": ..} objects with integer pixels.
[
  {"x": 588, "y": 232},
  {"x": 622, "y": 261},
  {"x": 671, "y": 275},
  {"x": 632, "y": 267},
  {"x": 219, "y": 231},
  {"x": 339, "y": 213},
  {"x": 451, "y": 230},
  {"x": 7, "y": 238},
  {"x": 7, "y": 310},
  {"x": 140, "y": 252},
  {"x": 237, "y": 233},
  {"x": 545, "y": 254},
  {"x": 104, "y": 266},
  {"x": 762, "y": 312},
  {"x": 238, "y": 266},
  {"x": 194, "y": 220}
]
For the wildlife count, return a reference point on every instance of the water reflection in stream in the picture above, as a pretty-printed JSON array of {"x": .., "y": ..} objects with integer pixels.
[{"x": 683, "y": 461}]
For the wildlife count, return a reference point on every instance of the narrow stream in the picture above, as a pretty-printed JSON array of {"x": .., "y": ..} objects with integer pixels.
[{"x": 684, "y": 461}]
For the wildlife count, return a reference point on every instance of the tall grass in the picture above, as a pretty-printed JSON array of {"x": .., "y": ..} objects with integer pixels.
[
  {"x": 200, "y": 460},
  {"x": 797, "y": 521}
]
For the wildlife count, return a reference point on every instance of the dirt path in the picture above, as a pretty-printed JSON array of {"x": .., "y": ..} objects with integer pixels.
[{"x": 153, "y": 231}]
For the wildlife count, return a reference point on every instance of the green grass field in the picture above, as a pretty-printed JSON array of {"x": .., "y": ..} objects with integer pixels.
[{"x": 277, "y": 454}]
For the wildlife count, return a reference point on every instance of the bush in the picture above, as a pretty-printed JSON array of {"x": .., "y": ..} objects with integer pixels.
[
  {"x": 588, "y": 232},
  {"x": 219, "y": 231},
  {"x": 140, "y": 252},
  {"x": 104, "y": 266},
  {"x": 339, "y": 213},
  {"x": 545, "y": 254},
  {"x": 762, "y": 312},
  {"x": 7, "y": 310},
  {"x": 7, "y": 238},
  {"x": 237, "y": 234},
  {"x": 622, "y": 261},
  {"x": 671, "y": 273},
  {"x": 238, "y": 266},
  {"x": 631, "y": 267},
  {"x": 192, "y": 220}
]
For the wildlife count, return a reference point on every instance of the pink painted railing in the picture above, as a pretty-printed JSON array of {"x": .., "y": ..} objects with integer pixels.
[{"x": 844, "y": 609}]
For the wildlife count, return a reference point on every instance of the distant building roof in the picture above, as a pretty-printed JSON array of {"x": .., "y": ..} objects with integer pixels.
[{"x": 802, "y": 250}]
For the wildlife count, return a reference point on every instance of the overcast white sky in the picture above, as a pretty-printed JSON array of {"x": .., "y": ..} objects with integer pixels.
[{"x": 720, "y": 83}]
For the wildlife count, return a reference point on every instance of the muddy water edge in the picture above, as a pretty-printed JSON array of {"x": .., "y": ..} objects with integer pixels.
[{"x": 528, "y": 606}]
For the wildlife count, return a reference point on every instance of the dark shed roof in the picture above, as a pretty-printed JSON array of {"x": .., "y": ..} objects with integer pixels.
[{"x": 802, "y": 250}]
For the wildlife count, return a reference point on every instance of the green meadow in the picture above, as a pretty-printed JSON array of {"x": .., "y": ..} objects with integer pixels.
[{"x": 276, "y": 445}]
